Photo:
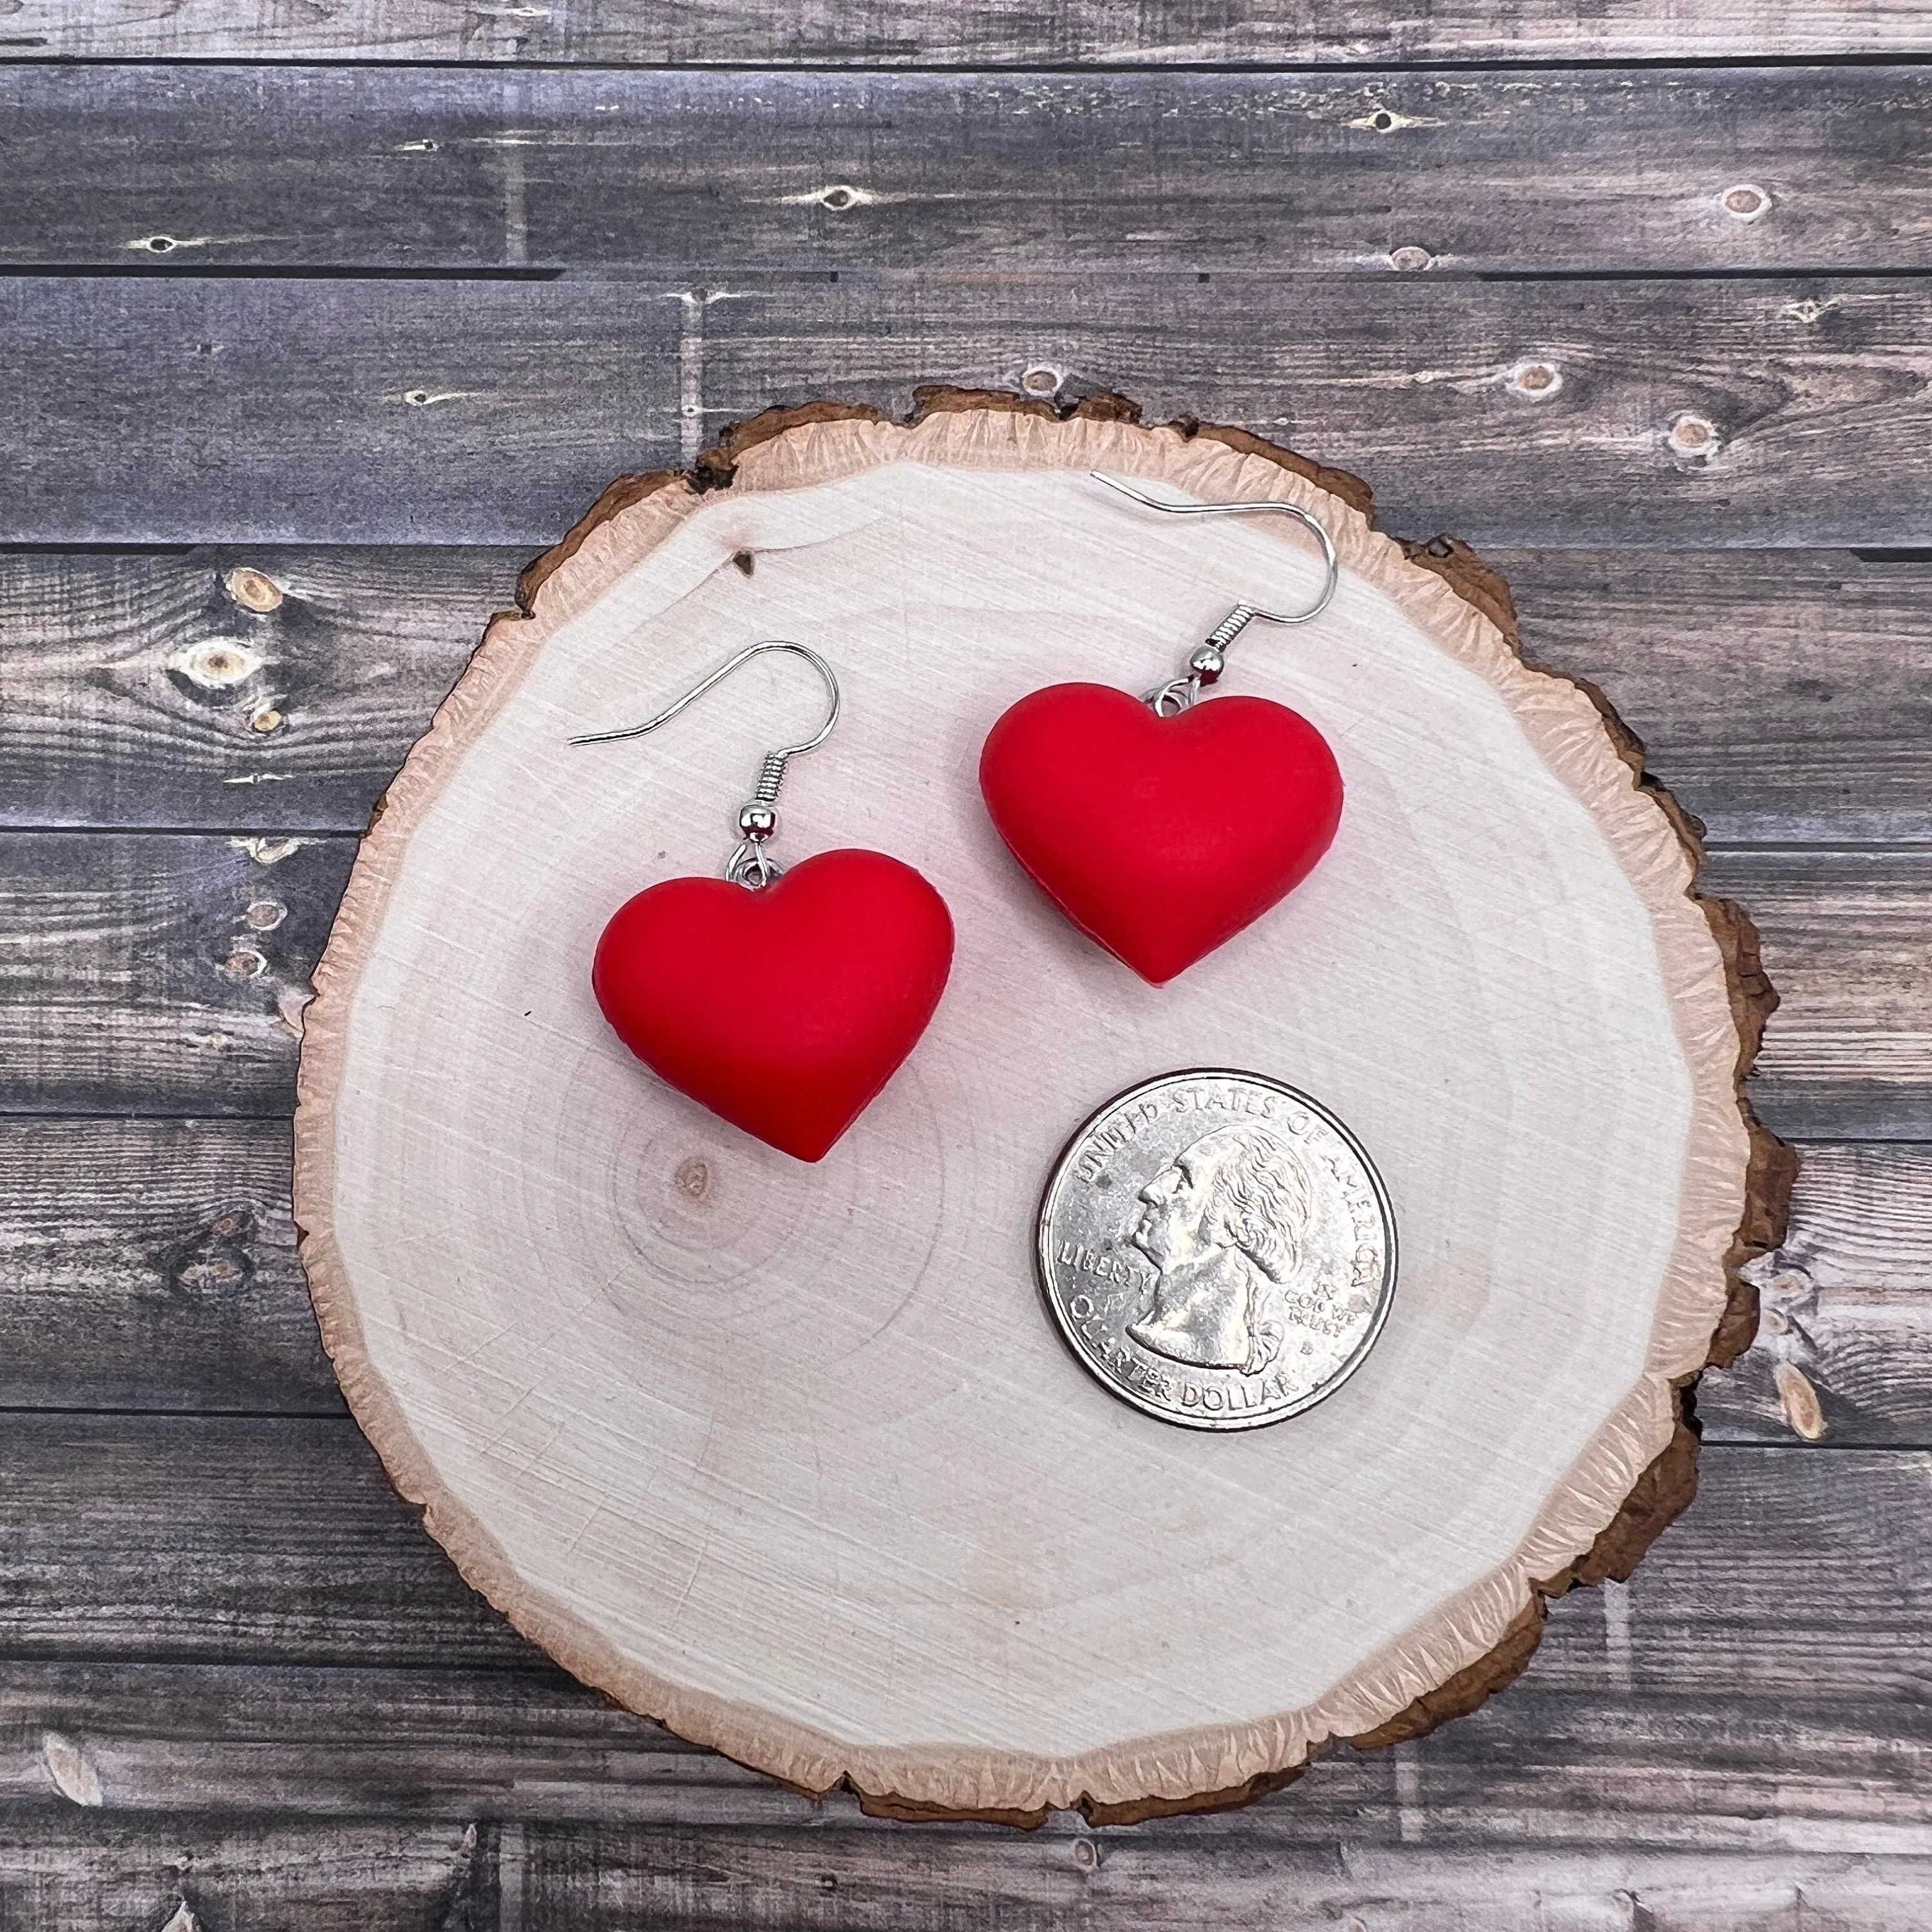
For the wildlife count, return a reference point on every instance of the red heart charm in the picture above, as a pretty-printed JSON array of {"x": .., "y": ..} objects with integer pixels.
[
  {"x": 784, "y": 1010},
  {"x": 1161, "y": 838}
]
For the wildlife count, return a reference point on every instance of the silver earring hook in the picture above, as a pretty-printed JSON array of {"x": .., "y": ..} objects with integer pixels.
[
  {"x": 750, "y": 865},
  {"x": 1211, "y": 659}
]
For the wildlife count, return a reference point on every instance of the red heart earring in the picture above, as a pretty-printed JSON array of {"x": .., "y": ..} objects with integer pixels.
[
  {"x": 1159, "y": 830},
  {"x": 783, "y": 1002}
]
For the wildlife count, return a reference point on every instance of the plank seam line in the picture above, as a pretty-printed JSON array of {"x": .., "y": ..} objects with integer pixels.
[
  {"x": 775, "y": 280},
  {"x": 216, "y": 271},
  {"x": 872, "y": 68}
]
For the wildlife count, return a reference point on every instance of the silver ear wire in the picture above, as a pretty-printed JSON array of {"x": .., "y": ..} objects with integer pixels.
[
  {"x": 749, "y": 866},
  {"x": 1210, "y": 658}
]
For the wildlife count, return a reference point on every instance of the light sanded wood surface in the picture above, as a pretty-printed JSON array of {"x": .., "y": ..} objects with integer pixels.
[{"x": 788, "y": 1455}]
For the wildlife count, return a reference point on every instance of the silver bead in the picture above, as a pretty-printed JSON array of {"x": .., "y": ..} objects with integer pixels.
[
  {"x": 1207, "y": 664},
  {"x": 757, "y": 822}
]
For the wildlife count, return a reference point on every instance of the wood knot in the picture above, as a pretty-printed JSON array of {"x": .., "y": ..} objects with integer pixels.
[
  {"x": 1538, "y": 381},
  {"x": 74, "y": 1776},
  {"x": 1043, "y": 379},
  {"x": 244, "y": 963},
  {"x": 265, "y": 915},
  {"x": 1411, "y": 259},
  {"x": 273, "y": 851},
  {"x": 253, "y": 589},
  {"x": 216, "y": 664},
  {"x": 836, "y": 197},
  {"x": 1747, "y": 202},
  {"x": 216, "y": 1259},
  {"x": 1799, "y": 1401},
  {"x": 1385, "y": 120},
  {"x": 1690, "y": 435},
  {"x": 693, "y": 1179}
]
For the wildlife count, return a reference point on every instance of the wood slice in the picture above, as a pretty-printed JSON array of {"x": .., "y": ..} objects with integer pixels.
[{"x": 791, "y": 1456}]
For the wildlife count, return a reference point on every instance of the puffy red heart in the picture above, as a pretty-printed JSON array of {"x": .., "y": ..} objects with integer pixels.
[
  {"x": 1161, "y": 838},
  {"x": 784, "y": 1010}
]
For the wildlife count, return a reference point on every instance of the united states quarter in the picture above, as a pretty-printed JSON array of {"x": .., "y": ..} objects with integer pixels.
[{"x": 1217, "y": 1249}]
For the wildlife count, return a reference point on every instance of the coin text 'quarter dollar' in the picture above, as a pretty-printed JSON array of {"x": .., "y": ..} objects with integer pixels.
[{"x": 1218, "y": 1248}]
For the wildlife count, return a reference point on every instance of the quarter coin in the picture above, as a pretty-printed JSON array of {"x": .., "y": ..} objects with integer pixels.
[{"x": 1217, "y": 1249}]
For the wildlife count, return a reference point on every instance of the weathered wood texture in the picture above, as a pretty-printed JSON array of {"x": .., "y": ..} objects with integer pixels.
[
  {"x": 159, "y": 973},
  {"x": 1587, "y": 1749},
  {"x": 1850, "y": 1051},
  {"x": 1567, "y": 413},
  {"x": 142, "y": 690},
  {"x": 103, "y": 1875},
  {"x": 370, "y": 411},
  {"x": 77, "y": 1871},
  {"x": 1782, "y": 695},
  {"x": 1635, "y": 169},
  {"x": 152, "y": 1266},
  {"x": 1843, "y": 1352},
  {"x": 1582, "y": 399},
  {"x": 565, "y": 1880},
  {"x": 1760, "y": 1683},
  {"x": 892, "y": 33},
  {"x": 163, "y": 973},
  {"x": 234, "y": 1538}
]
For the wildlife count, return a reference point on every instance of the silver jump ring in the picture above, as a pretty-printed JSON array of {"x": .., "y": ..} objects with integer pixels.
[
  {"x": 1171, "y": 699},
  {"x": 751, "y": 866}
]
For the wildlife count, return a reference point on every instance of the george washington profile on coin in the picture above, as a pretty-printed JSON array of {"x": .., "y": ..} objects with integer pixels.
[
  {"x": 1217, "y": 1249},
  {"x": 1222, "y": 1224}
]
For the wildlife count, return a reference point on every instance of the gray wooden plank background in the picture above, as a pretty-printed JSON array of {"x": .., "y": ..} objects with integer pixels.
[
  {"x": 365, "y": 304},
  {"x": 995, "y": 35},
  {"x": 1597, "y": 169},
  {"x": 1566, "y": 412}
]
